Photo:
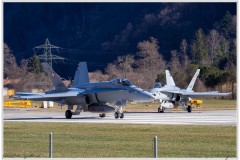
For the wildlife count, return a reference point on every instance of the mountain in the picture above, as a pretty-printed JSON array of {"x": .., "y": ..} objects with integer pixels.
[{"x": 99, "y": 32}]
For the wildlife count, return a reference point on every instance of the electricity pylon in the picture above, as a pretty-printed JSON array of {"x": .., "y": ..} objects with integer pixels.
[{"x": 47, "y": 55}]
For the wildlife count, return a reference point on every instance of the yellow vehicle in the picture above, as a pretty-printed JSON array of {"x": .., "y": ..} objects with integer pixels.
[
  {"x": 195, "y": 102},
  {"x": 18, "y": 104}
]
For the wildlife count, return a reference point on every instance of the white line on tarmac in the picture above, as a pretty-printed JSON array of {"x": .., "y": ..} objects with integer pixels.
[{"x": 218, "y": 117}]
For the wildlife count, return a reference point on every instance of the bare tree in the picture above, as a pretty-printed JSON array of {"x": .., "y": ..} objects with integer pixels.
[
  {"x": 124, "y": 64},
  {"x": 144, "y": 68},
  {"x": 149, "y": 57},
  {"x": 10, "y": 67},
  {"x": 213, "y": 40},
  {"x": 121, "y": 67},
  {"x": 26, "y": 79},
  {"x": 184, "y": 57},
  {"x": 98, "y": 76},
  {"x": 112, "y": 71},
  {"x": 224, "y": 46},
  {"x": 184, "y": 46},
  {"x": 149, "y": 62},
  {"x": 174, "y": 62},
  {"x": 177, "y": 69}
]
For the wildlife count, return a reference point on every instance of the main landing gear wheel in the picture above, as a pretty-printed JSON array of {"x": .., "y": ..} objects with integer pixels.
[
  {"x": 68, "y": 114},
  {"x": 121, "y": 115},
  {"x": 189, "y": 109},
  {"x": 102, "y": 115},
  {"x": 160, "y": 110},
  {"x": 118, "y": 115}
]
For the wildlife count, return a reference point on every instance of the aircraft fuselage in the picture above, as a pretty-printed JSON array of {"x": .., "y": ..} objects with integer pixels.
[{"x": 112, "y": 93}]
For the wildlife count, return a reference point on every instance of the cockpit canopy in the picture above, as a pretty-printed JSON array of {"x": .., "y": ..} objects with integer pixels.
[
  {"x": 123, "y": 82},
  {"x": 158, "y": 85}
]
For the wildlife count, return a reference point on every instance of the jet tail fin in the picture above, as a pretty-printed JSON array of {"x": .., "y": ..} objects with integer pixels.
[
  {"x": 54, "y": 77},
  {"x": 169, "y": 78},
  {"x": 191, "y": 84},
  {"x": 81, "y": 75}
]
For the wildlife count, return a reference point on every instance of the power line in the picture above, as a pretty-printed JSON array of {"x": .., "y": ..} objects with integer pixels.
[
  {"x": 48, "y": 57},
  {"x": 78, "y": 51}
]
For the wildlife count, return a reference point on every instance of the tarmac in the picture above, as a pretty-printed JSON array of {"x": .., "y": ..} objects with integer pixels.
[{"x": 213, "y": 117}]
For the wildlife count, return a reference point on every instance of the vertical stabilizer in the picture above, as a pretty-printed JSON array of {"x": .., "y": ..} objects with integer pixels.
[
  {"x": 81, "y": 75},
  {"x": 191, "y": 84},
  {"x": 169, "y": 78},
  {"x": 54, "y": 77}
]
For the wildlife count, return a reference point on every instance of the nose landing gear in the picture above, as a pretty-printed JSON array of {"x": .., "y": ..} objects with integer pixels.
[
  {"x": 102, "y": 115},
  {"x": 119, "y": 113}
]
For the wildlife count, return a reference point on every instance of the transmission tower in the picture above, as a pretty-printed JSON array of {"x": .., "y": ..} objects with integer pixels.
[{"x": 47, "y": 55}]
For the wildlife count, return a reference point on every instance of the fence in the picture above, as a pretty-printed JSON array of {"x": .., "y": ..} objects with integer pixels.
[{"x": 155, "y": 146}]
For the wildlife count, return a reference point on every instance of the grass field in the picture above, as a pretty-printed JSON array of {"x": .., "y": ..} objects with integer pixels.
[{"x": 80, "y": 140}]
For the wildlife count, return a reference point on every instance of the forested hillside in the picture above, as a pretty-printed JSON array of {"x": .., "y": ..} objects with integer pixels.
[
  {"x": 213, "y": 52},
  {"x": 132, "y": 40}
]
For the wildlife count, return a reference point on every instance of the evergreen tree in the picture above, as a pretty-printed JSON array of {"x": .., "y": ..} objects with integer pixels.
[
  {"x": 210, "y": 76},
  {"x": 36, "y": 65},
  {"x": 199, "y": 51},
  {"x": 228, "y": 26},
  {"x": 232, "y": 56}
]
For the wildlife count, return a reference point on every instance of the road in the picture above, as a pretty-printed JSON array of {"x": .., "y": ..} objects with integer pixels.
[{"x": 217, "y": 117}]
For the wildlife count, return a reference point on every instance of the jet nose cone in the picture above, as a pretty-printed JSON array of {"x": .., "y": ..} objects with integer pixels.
[{"x": 139, "y": 95}]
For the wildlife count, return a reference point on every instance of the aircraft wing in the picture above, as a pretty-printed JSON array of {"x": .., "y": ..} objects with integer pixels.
[
  {"x": 46, "y": 96},
  {"x": 61, "y": 95},
  {"x": 199, "y": 94},
  {"x": 205, "y": 94}
]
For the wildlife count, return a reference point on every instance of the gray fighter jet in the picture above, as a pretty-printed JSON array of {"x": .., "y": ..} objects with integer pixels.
[
  {"x": 171, "y": 96},
  {"x": 100, "y": 97}
]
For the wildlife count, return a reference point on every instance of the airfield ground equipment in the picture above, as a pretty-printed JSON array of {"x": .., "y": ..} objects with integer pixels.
[
  {"x": 18, "y": 104},
  {"x": 195, "y": 102}
]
